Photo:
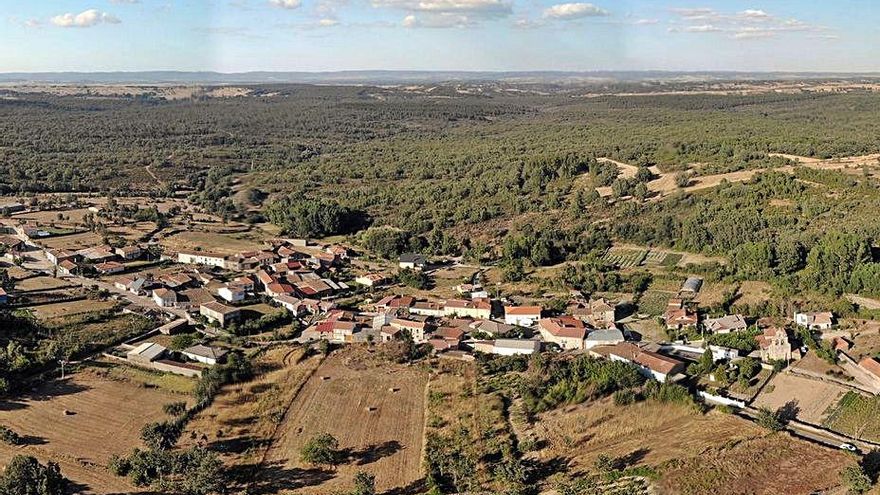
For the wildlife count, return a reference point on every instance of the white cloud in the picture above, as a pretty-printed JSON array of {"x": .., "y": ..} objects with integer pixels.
[
  {"x": 438, "y": 21},
  {"x": 33, "y": 23},
  {"x": 88, "y": 18},
  {"x": 753, "y": 33},
  {"x": 646, "y": 22},
  {"x": 483, "y": 7},
  {"x": 742, "y": 25},
  {"x": 286, "y": 4},
  {"x": 328, "y": 22},
  {"x": 573, "y": 11},
  {"x": 120, "y": 2},
  {"x": 702, "y": 28},
  {"x": 754, "y": 14},
  {"x": 696, "y": 14}
]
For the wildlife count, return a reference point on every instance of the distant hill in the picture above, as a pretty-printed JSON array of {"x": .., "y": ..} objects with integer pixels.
[{"x": 404, "y": 77}]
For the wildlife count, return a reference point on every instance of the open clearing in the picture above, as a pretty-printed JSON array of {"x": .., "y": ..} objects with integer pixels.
[
  {"x": 210, "y": 242},
  {"x": 41, "y": 283},
  {"x": 71, "y": 308},
  {"x": 376, "y": 411},
  {"x": 809, "y": 398},
  {"x": 665, "y": 183},
  {"x": 693, "y": 453},
  {"x": 106, "y": 418},
  {"x": 73, "y": 242}
]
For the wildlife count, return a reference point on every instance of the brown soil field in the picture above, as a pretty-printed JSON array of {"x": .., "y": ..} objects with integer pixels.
[
  {"x": 73, "y": 242},
  {"x": 71, "y": 217},
  {"x": 693, "y": 453},
  {"x": 106, "y": 418},
  {"x": 40, "y": 283},
  {"x": 70, "y": 308},
  {"x": 376, "y": 411},
  {"x": 812, "y": 398}
]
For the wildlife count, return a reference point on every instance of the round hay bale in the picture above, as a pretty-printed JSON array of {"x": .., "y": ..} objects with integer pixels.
[
  {"x": 325, "y": 378},
  {"x": 372, "y": 408},
  {"x": 68, "y": 412},
  {"x": 394, "y": 390}
]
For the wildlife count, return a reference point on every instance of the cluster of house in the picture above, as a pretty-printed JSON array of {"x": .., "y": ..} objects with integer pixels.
[
  {"x": 294, "y": 279},
  {"x": 187, "y": 362},
  {"x": 104, "y": 260}
]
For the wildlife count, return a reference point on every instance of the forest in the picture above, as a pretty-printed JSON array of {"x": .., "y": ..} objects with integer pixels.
[{"x": 499, "y": 175}]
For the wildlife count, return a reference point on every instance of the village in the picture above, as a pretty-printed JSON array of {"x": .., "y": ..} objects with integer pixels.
[{"x": 316, "y": 292}]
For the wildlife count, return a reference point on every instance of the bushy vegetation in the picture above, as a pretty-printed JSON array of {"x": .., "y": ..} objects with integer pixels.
[
  {"x": 24, "y": 475},
  {"x": 305, "y": 217},
  {"x": 571, "y": 381}
]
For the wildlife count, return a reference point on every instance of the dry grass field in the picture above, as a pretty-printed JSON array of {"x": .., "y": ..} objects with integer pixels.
[
  {"x": 244, "y": 418},
  {"x": 375, "y": 410},
  {"x": 41, "y": 283},
  {"x": 73, "y": 242},
  {"x": 103, "y": 417},
  {"x": 210, "y": 242},
  {"x": 693, "y": 453},
  {"x": 811, "y": 398},
  {"x": 56, "y": 310}
]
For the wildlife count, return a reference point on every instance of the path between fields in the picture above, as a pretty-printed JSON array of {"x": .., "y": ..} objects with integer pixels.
[{"x": 273, "y": 437}]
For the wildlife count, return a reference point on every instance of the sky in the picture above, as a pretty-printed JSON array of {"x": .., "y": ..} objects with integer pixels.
[{"x": 491, "y": 35}]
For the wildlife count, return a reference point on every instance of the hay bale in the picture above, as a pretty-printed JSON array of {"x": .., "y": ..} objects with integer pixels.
[{"x": 372, "y": 408}]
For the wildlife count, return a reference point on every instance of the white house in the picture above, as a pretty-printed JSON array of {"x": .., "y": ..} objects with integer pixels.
[
  {"x": 650, "y": 364},
  {"x": 205, "y": 354},
  {"x": 201, "y": 258},
  {"x": 512, "y": 347},
  {"x": 165, "y": 298},
  {"x": 815, "y": 321},
  {"x": 523, "y": 316},
  {"x": 412, "y": 261},
  {"x": 231, "y": 293}
]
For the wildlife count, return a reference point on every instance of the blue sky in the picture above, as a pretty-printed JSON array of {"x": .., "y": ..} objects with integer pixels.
[{"x": 317, "y": 35}]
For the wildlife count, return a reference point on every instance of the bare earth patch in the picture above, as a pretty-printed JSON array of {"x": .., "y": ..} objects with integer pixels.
[{"x": 812, "y": 398}]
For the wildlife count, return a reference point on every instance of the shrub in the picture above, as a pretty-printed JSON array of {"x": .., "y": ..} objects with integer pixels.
[
  {"x": 9, "y": 437},
  {"x": 321, "y": 449},
  {"x": 624, "y": 397}
]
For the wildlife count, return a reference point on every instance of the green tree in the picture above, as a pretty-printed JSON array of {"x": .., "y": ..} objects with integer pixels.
[
  {"x": 160, "y": 436},
  {"x": 387, "y": 242},
  {"x": 322, "y": 449},
  {"x": 770, "y": 419},
  {"x": 364, "y": 484},
  {"x": 855, "y": 478},
  {"x": 24, "y": 475}
]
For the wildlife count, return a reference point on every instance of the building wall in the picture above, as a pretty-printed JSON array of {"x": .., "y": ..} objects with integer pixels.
[{"x": 521, "y": 320}]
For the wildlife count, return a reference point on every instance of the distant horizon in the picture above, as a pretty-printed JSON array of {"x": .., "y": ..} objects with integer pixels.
[{"x": 405, "y": 76}]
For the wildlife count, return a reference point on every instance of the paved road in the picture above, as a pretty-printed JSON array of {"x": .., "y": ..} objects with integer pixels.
[{"x": 812, "y": 434}]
